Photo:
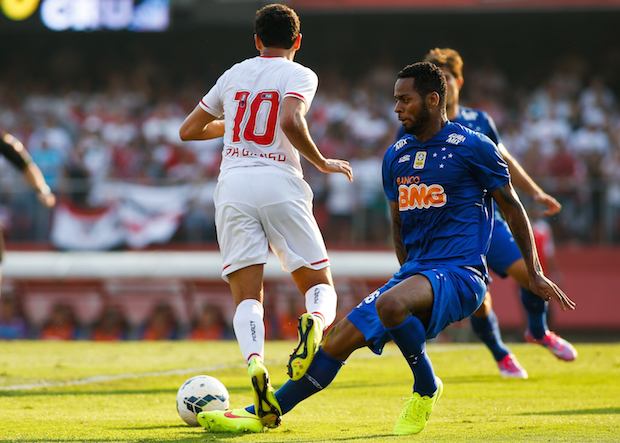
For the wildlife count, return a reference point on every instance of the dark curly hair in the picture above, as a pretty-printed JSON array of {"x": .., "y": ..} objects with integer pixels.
[
  {"x": 277, "y": 26},
  {"x": 427, "y": 78}
]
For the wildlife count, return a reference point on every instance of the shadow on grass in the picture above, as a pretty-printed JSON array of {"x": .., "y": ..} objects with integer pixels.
[
  {"x": 595, "y": 411},
  {"x": 222, "y": 436},
  {"x": 73, "y": 390},
  {"x": 207, "y": 437}
]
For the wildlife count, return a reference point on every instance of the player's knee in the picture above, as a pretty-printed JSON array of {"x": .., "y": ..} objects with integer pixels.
[
  {"x": 485, "y": 307},
  {"x": 392, "y": 310}
]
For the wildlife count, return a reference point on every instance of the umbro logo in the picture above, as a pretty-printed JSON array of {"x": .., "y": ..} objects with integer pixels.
[{"x": 455, "y": 139}]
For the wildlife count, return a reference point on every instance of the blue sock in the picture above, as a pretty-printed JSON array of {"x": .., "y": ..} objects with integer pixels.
[
  {"x": 410, "y": 337},
  {"x": 536, "y": 311},
  {"x": 320, "y": 374},
  {"x": 487, "y": 330}
]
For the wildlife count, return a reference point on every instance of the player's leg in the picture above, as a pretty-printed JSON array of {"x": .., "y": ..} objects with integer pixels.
[
  {"x": 486, "y": 327},
  {"x": 536, "y": 313},
  {"x": 405, "y": 311},
  {"x": 244, "y": 249},
  {"x": 246, "y": 285},
  {"x": 321, "y": 300},
  {"x": 503, "y": 252},
  {"x": 295, "y": 238},
  {"x": 339, "y": 343}
]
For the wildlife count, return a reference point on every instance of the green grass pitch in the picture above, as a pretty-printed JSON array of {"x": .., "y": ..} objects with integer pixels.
[{"x": 125, "y": 392}]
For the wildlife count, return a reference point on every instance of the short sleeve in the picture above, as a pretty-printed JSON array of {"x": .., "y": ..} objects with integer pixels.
[
  {"x": 302, "y": 84},
  {"x": 487, "y": 164},
  {"x": 212, "y": 101},
  {"x": 493, "y": 134},
  {"x": 388, "y": 180}
]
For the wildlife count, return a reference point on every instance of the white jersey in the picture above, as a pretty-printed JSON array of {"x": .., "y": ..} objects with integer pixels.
[{"x": 250, "y": 96}]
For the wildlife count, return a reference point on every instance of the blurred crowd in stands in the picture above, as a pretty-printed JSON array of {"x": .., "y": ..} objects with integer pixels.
[
  {"x": 161, "y": 322},
  {"x": 565, "y": 130}
]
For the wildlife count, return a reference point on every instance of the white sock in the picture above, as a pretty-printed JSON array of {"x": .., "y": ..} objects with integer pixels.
[
  {"x": 250, "y": 328},
  {"x": 321, "y": 300}
]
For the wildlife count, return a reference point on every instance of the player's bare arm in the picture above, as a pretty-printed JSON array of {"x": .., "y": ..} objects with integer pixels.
[
  {"x": 15, "y": 151},
  {"x": 399, "y": 247},
  {"x": 522, "y": 180},
  {"x": 293, "y": 123},
  {"x": 200, "y": 125},
  {"x": 516, "y": 217},
  {"x": 34, "y": 177}
]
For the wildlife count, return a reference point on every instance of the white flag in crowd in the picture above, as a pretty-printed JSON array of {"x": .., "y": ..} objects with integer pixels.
[{"x": 132, "y": 215}]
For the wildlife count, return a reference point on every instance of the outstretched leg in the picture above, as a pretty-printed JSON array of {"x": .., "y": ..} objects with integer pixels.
[
  {"x": 485, "y": 325},
  {"x": 339, "y": 343}
]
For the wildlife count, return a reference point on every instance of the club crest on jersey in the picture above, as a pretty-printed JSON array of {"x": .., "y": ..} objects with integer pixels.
[
  {"x": 455, "y": 139},
  {"x": 420, "y": 160}
]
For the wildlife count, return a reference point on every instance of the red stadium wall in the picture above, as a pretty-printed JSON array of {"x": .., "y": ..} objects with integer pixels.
[{"x": 591, "y": 277}]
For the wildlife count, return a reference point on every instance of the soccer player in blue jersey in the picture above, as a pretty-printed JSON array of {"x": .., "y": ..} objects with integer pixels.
[
  {"x": 440, "y": 180},
  {"x": 503, "y": 257}
]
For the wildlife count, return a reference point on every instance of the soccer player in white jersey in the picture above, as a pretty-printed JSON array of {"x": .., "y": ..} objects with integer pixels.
[{"x": 261, "y": 198}]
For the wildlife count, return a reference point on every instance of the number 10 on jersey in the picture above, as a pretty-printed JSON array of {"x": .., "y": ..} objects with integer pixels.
[{"x": 260, "y": 125}]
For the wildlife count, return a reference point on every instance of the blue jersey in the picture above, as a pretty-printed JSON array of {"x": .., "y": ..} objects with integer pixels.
[{"x": 442, "y": 189}]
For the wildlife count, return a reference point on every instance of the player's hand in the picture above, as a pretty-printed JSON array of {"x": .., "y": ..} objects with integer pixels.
[
  {"x": 553, "y": 206},
  {"x": 342, "y": 166},
  {"x": 47, "y": 198},
  {"x": 546, "y": 289}
]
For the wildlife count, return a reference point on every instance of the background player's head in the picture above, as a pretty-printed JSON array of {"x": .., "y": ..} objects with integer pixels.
[
  {"x": 420, "y": 93},
  {"x": 451, "y": 63},
  {"x": 277, "y": 26}
]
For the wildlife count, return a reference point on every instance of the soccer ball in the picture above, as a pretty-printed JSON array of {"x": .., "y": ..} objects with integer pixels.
[{"x": 201, "y": 393}]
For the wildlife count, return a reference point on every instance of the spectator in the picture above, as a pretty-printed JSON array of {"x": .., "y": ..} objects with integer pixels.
[
  {"x": 161, "y": 324},
  {"x": 112, "y": 326},
  {"x": 62, "y": 324},
  {"x": 13, "y": 326},
  {"x": 210, "y": 325}
]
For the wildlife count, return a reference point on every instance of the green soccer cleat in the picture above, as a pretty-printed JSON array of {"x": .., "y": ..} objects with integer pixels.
[
  {"x": 237, "y": 420},
  {"x": 417, "y": 412},
  {"x": 265, "y": 403},
  {"x": 310, "y": 336}
]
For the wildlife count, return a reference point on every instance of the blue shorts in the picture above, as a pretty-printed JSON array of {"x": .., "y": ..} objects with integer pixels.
[
  {"x": 459, "y": 292},
  {"x": 503, "y": 250}
]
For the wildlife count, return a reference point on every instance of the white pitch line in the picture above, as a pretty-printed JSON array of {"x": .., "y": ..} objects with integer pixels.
[{"x": 106, "y": 378}]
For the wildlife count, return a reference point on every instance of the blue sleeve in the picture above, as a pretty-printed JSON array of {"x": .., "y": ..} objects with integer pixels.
[
  {"x": 487, "y": 164},
  {"x": 492, "y": 129},
  {"x": 388, "y": 180}
]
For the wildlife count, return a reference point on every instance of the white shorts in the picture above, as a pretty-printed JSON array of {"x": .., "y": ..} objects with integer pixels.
[{"x": 262, "y": 207}]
